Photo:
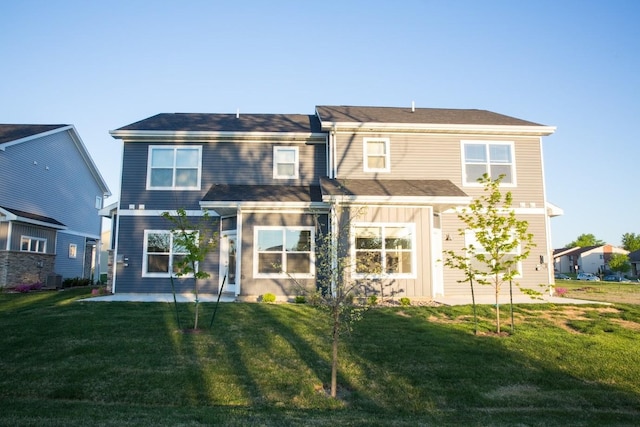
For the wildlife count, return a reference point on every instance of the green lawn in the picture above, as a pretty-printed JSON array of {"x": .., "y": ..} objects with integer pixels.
[{"x": 65, "y": 362}]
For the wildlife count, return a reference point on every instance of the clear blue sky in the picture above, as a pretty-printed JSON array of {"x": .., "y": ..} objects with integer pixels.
[{"x": 574, "y": 64}]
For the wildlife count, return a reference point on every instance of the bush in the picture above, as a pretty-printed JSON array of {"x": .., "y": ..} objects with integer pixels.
[
  {"x": 268, "y": 297},
  {"x": 372, "y": 300},
  {"x": 27, "y": 287},
  {"x": 561, "y": 291},
  {"x": 75, "y": 281},
  {"x": 300, "y": 299},
  {"x": 404, "y": 301}
]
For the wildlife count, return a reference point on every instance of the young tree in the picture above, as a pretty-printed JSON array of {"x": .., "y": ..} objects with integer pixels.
[
  {"x": 501, "y": 240},
  {"x": 193, "y": 242},
  {"x": 631, "y": 241},
  {"x": 585, "y": 240},
  {"x": 619, "y": 263}
]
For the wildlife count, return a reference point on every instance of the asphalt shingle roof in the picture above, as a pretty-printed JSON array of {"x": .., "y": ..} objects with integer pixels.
[
  {"x": 32, "y": 216},
  {"x": 262, "y": 193},
  {"x": 204, "y": 122},
  {"x": 13, "y": 132},
  {"x": 354, "y": 114},
  {"x": 391, "y": 187}
]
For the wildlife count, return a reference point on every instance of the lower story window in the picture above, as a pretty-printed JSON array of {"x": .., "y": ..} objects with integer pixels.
[
  {"x": 284, "y": 252},
  {"x": 162, "y": 254},
  {"x": 483, "y": 267},
  {"x": 33, "y": 244},
  {"x": 384, "y": 250}
]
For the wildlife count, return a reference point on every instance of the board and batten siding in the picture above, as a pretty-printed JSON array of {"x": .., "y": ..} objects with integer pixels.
[
  {"x": 19, "y": 229},
  {"x": 233, "y": 162},
  {"x": 534, "y": 274},
  {"x": 131, "y": 248},
  {"x": 48, "y": 176}
]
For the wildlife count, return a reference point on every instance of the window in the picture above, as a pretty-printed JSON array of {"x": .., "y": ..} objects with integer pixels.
[
  {"x": 384, "y": 250},
  {"x": 492, "y": 158},
  {"x": 285, "y": 162},
  {"x": 73, "y": 250},
  {"x": 161, "y": 254},
  {"x": 284, "y": 252},
  {"x": 470, "y": 239},
  {"x": 174, "y": 168},
  {"x": 376, "y": 155},
  {"x": 33, "y": 244},
  {"x": 98, "y": 202}
]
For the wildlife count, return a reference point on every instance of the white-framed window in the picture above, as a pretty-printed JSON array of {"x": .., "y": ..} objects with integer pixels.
[
  {"x": 284, "y": 252},
  {"x": 33, "y": 244},
  {"x": 385, "y": 250},
  {"x": 98, "y": 204},
  {"x": 161, "y": 254},
  {"x": 174, "y": 167},
  {"x": 494, "y": 158},
  {"x": 470, "y": 239},
  {"x": 73, "y": 250},
  {"x": 285, "y": 162},
  {"x": 377, "y": 155}
]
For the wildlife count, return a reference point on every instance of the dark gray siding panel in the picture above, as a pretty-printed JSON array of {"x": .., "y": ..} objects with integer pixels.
[{"x": 130, "y": 247}]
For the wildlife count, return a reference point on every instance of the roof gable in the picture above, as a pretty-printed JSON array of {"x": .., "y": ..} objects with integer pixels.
[{"x": 16, "y": 132}]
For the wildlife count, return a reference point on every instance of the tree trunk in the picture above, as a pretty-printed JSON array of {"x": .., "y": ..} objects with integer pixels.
[
  {"x": 195, "y": 288},
  {"x": 334, "y": 358},
  {"x": 497, "y": 310}
]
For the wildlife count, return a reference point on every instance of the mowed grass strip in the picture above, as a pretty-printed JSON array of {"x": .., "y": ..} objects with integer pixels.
[{"x": 69, "y": 362}]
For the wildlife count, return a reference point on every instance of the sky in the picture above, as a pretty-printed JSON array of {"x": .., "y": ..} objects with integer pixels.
[{"x": 573, "y": 64}]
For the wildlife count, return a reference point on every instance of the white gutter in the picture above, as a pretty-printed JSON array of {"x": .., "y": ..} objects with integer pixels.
[{"x": 539, "y": 130}]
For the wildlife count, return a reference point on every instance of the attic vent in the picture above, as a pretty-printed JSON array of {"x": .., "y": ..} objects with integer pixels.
[
  {"x": 413, "y": 106},
  {"x": 238, "y": 113}
]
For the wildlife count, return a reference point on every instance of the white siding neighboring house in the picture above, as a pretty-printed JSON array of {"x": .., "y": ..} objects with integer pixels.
[{"x": 590, "y": 259}]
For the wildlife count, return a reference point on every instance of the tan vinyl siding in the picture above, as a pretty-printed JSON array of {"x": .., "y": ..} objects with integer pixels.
[{"x": 534, "y": 274}]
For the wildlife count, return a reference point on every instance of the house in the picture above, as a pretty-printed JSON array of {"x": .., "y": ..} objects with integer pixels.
[
  {"x": 49, "y": 200},
  {"x": 588, "y": 259},
  {"x": 268, "y": 180},
  {"x": 634, "y": 260}
]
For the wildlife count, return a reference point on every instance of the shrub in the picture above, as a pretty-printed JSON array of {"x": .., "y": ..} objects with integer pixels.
[
  {"x": 372, "y": 300},
  {"x": 72, "y": 282},
  {"x": 404, "y": 301},
  {"x": 101, "y": 290},
  {"x": 561, "y": 291},
  {"x": 268, "y": 297},
  {"x": 27, "y": 287},
  {"x": 300, "y": 299}
]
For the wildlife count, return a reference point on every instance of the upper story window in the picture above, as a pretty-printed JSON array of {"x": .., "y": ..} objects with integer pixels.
[
  {"x": 284, "y": 252},
  {"x": 384, "y": 250},
  {"x": 161, "y": 254},
  {"x": 33, "y": 244},
  {"x": 285, "y": 162},
  {"x": 492, "y": 158},
  {"x": 377, "y": 157},
  {"x": 174, "y": 168}
]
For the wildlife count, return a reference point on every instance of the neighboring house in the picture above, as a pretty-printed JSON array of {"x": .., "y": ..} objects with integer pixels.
[
  {"x": 49, "y": 200},
  {"x": 268, "y": 180},
  {"x": 588, "y": 259},
  {"x": 634, "y": 259}
]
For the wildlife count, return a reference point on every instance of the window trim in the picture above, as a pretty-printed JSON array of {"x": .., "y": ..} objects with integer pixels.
[
  {"x": 296, "y": 162},
  {"x": 175, "y": 149},
  {"x": 486, "y": 143},
  {"x": 283, "y": 275},
  {"x": 145, "y": 266},
  {"x": 414, "y": 250},
  {"x": 470, "y": 237},
  {"x": 387, "y": 155},
  {"x": 42, "y": 241}
]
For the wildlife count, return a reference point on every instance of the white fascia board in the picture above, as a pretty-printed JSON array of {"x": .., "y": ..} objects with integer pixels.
[
  {"x": 274, "y": 206},
  {"x": 554, "y": 210},
  {"x": 8, "y": 216},
  {"x": 161, "y": 135},
  {"x": 37, "y": 135},
  {"x": 440, "y": 128},
  {"x": 400, "y": 200},
  {"x": 108, "y": 210}
]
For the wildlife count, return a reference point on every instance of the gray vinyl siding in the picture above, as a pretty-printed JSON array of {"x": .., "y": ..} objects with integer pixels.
[
  {"x": 421, "y": 285},
  {"x": 434, "y": 156},
  {"x": 252, "y": 287},
  {"x": 48, "y": 176},
  {"x": 131, "y": 247},
  {"x": 18, "y": 230},
  {"x": 534, "y": 274},
  {"x": 238, "y": 162},
  {"x": 71, "y": 267}
]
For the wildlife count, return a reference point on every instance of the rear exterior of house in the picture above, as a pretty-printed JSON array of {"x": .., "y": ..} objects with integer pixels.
[
  {"x": 49, "y": 200},
  {"x": 389, "y": 180}
]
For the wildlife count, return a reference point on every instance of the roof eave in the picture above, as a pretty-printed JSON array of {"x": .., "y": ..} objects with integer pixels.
[
  {"x": 161, "y": 135},
  {"x": 537, "y": 130},
  {"x": 448, "y": 201}
]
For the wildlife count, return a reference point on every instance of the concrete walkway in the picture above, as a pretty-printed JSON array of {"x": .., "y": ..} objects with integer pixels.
[{"x": 188, "y": 297}]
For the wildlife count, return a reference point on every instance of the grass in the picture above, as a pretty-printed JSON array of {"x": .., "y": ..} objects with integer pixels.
[
  {"x": 66, "y": 362},
  {"x": 626, "y": 293}
]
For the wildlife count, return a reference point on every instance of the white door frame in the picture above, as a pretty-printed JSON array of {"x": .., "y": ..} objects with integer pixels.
[{"x": 230, "y": 284}]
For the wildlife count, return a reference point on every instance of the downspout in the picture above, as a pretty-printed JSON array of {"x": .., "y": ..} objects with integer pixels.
[
  {"x": 333, "y": 141},
  {"x": 547, "y": 220}
]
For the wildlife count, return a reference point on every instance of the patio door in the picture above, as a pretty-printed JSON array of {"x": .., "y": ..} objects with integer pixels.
[{"x": 228, "y": 265}]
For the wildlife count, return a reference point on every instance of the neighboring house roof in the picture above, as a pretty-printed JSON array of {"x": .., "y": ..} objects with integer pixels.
[
  {"x": 580, "y": 250},
  {"x": 262, "y": 193},
  {"x": 18, "y": 215},
  {"x": 634, "y": 256},
  {"x": 12, "y": 134},
  {"x": 433, "y": 191},
  {"x": 429, "y": 118},
  {"x": 203, "y": 122}
]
